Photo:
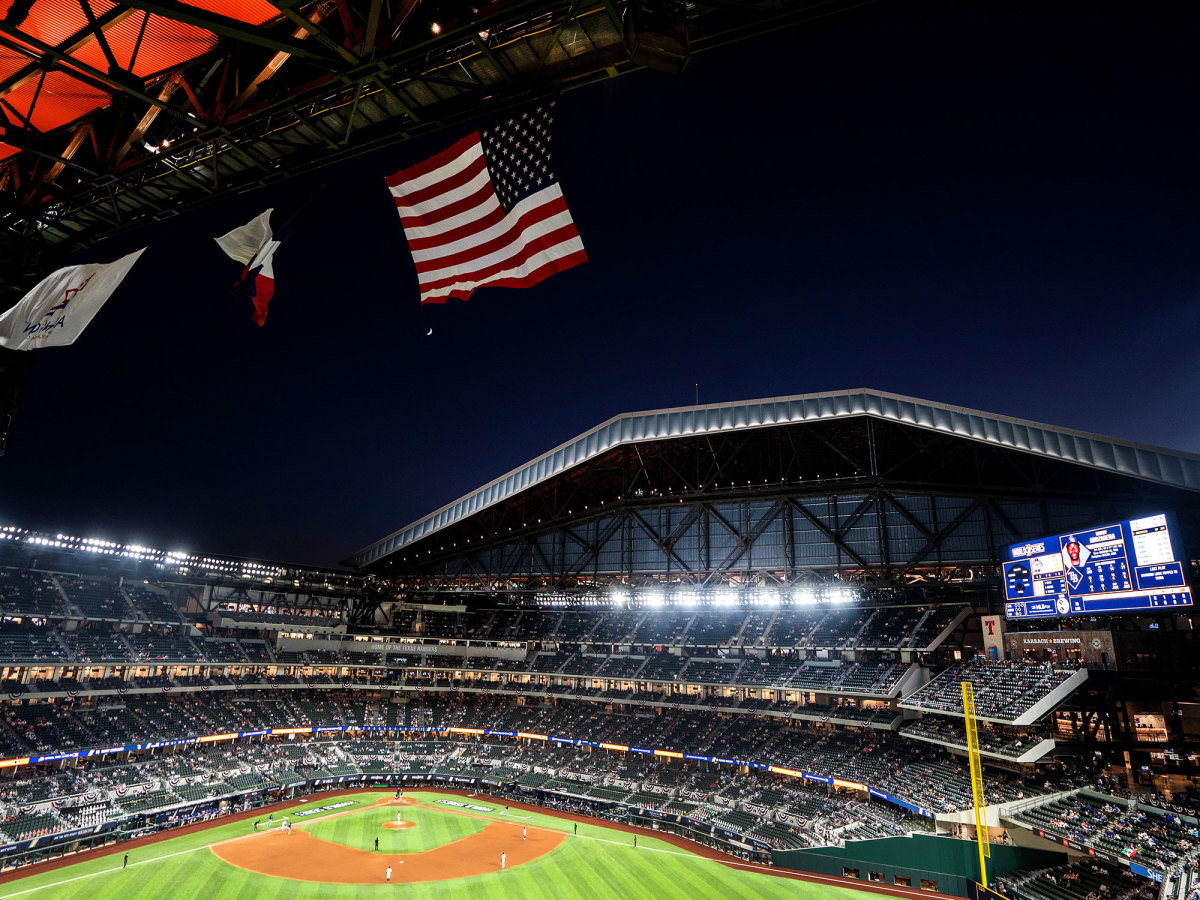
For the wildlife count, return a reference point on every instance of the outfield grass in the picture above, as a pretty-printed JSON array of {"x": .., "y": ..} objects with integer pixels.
[{"x": 599, "y": 864}]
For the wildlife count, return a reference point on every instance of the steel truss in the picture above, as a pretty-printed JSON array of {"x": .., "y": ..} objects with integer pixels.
[
  {"x": 876, "y": 538},
  {"x": 262, "y": 600},
  {"x": 875, "y": 502}
]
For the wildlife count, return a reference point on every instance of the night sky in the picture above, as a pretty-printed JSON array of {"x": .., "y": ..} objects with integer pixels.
[{"x": 988, "y": 205}]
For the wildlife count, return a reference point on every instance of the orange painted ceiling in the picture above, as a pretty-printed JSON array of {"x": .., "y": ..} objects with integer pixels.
[{"x": 145, "y": 44}]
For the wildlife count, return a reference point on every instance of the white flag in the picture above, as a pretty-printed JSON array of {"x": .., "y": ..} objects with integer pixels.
[
  {"x": 254, "y": 246},
  {"x": 55, "y": 312},
  {"x": 244, "y": 242}
]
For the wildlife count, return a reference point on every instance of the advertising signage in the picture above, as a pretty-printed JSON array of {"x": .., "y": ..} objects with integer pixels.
[{"x": 1129, "y": 566}]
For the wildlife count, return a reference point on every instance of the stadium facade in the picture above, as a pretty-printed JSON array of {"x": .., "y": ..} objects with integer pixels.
[{"x": 745, "y": 623}]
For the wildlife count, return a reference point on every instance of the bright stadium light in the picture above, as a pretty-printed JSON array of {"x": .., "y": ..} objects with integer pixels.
[
  {"x": 688, "y": 599},
  {"x": 804, "y": 596},
  {"x": 767, "y": 597},
  {"x": 841, "y": 595},
  {"x": 725, "y": 596},
  {"x": 655, "y": 599}
]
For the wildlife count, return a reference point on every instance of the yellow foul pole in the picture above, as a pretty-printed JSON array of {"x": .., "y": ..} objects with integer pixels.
[{"x": 968, "y": 692}]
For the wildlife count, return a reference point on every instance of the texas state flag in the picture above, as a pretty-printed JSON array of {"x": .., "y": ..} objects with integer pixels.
[{"x": 254, "y": 245}]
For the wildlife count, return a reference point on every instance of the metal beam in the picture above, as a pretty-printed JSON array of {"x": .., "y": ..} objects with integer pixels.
[
  {"x": 829, "y": 535},
  {"x": 491, "y": 57},
  {"x": 113, "y": 17},
  {"x": 593, "y": 551},
  {"x": 76, "y": 141},
  {"x": 854, "y": 517},
  {"x": 659, "y": 542},
  {"x": 353, "y": 112},
  {"x": 747, "y": 542},
  {"x": 232, "y": 28},
  {"x": 147, "y": 120},
  {"x": 553, "y": 40},
  {"x": 368, "y": 44},
  {"x": 307, "y": 27},
  {"x": 908, "y": 516},
  {"x": 407, "y": 8},
  {"x": 98, "y": 32},
  {"x": 13, "y": 137},
  {"x": 311, "y": 26},
  {"x": 19, "y": 38},
  {"x": 933, "y": 542}
]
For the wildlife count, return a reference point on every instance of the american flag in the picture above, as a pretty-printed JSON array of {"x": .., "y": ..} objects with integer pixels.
[{"x": 488, "y": 211}]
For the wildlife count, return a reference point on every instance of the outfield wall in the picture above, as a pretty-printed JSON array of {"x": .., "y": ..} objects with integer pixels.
[{"x": 950, "y": 863}]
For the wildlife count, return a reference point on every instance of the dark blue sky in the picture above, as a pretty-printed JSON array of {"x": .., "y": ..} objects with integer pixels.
[{"x": 987, "y": 205}]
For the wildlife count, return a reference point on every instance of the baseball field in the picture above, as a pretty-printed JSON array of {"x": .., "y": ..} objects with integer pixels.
[{"x": 437, "y": 845}]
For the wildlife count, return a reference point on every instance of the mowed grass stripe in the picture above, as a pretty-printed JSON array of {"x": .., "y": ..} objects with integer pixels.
[
  {"x": 362, "y": 828},
  {"x": 600, "y": 863}
]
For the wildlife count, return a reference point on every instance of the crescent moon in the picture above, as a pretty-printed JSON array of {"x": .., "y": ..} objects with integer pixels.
[{"x": 429, "y": 332}]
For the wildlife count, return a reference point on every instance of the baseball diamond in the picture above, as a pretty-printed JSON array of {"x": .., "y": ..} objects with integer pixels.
[{"x": 448, "y": 852}]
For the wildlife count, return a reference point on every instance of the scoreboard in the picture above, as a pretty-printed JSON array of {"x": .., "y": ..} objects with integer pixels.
[{"x": 1124, "y": 567}]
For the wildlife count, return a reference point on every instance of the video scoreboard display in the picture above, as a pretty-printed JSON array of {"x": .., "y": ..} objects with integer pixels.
[{"x": 1129, "y": 566}]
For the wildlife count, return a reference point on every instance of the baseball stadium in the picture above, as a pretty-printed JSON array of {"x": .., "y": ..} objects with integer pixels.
[
  {"x": 707, "y": 651},
  {"x": 827, "y": 645}
]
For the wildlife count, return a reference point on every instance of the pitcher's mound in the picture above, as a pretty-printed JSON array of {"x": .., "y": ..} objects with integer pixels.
[{"x": 397, "y": 826}]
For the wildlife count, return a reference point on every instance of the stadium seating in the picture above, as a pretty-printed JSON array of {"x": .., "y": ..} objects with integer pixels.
[
  {"x": 1010, "y": 743},
  {"x": 809, "y": 689},
  {"x": 1091, "y": 880},
  {"x": 1004, "y": 689},
  {"x": 28, "y": 593},
  {"x": 1155, "y": 839},
  {"x": 922, "y": 775}
]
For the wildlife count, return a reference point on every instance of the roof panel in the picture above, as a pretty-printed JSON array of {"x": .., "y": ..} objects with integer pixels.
[
  {"x": 61, "y": 99},
  {"x": 53, "y": 21},
  {"x": 253, "y": 12},
  {"x": 11, "y": 62},
  {"x": 1169, "y": 467},
  {"x": 164, "y": 45}
]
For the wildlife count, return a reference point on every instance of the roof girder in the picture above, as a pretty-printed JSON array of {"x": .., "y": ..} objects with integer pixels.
[{"x": 234, "y": 29}]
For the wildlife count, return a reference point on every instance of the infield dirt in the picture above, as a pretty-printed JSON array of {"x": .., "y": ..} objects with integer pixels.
[{"x": 302, "y": 857}]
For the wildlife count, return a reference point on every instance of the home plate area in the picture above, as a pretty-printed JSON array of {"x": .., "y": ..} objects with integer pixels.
[{"x": 301, "y": 856}]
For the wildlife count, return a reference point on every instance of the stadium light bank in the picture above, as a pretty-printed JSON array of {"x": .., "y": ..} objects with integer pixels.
[{"x": 690, "y": 598}]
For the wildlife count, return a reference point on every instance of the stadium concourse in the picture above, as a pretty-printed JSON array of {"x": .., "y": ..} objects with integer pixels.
[{"x": 744, "y": 626}]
